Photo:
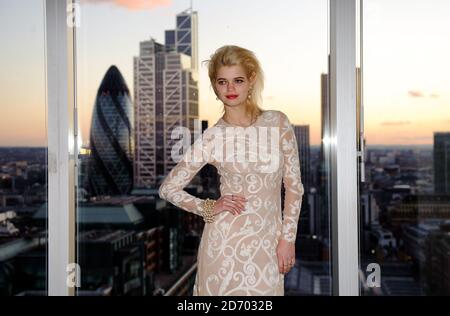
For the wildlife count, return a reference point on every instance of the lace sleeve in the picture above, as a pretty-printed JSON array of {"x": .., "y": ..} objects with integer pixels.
[
  {"x": 292, "y": 180},
  {"x": 172, "y": 187}
]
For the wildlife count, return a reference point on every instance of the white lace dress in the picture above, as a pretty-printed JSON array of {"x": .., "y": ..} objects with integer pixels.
[{"x": 237, "y": 254}]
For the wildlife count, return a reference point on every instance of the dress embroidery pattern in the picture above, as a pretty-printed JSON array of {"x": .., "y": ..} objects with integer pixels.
[{"x": 237, "y": 254}]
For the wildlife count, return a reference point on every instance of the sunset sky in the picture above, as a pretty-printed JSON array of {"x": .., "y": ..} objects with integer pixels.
[{"x": 406, "y": 60}]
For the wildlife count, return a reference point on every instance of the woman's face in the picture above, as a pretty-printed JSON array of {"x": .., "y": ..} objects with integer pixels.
[{"x": 232, "y": 85}]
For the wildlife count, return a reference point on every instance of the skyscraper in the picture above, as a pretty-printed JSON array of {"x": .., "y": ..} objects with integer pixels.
[
  {"x": 148, "y": 109},
  {"x": 441, "y": 165},
  {"x": 307, "y": 219},
  {"x": 184, "y": 38},
  {"x": 110, "y": 166},
  {"x": 302, "y": 136},
  {"x": 165, "y": 97}
]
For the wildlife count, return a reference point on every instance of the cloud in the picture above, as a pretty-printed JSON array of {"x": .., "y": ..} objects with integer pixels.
[
  {"x": 420, "y": 94},
  {"x": 134, "y": 4},
  {"x": 415, "y": 94},
  {"x": 395, "y": 123}
]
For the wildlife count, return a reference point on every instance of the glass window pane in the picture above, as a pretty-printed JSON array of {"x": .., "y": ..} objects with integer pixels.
[
  {"x": 405, "y": 201},
  {"x": 23, "y": 149},
  {"x": 134, "y": 90}
]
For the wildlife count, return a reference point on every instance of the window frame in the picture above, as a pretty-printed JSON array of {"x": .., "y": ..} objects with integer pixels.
[
  {"x": 60, "y": 84},
  {"x": 62, "y": 145}
]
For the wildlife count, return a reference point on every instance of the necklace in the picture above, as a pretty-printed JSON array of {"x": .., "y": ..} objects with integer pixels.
[{"x": 253, "y": 121}]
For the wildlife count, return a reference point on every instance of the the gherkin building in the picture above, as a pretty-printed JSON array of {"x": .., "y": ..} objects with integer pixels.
[{"x": 110, "y": 169}]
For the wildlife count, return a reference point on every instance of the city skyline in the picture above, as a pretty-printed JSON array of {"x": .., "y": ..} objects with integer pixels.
[
  {"x": 396, "y": 105},
  {"x": 140, "y": 228}
]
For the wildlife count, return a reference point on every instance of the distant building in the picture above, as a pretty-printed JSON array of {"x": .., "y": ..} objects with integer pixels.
[
  {"x": 441, "y": 163},
  {"x": 304, "y": 148},
  {"x": 437, "y": 267},
  {"x": 414, "y": 238},
  {"x": 184, "y": 38},
  {"x": 414, "y": 209},
  {"x": 307, "y": 220},
  {"x": 165, "y": 98},
  {"x": 111, "y": 259},
  {"x": 110, "y": 168}
]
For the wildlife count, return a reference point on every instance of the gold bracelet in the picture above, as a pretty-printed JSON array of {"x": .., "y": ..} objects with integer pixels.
[{"x": 207, "y": 210}]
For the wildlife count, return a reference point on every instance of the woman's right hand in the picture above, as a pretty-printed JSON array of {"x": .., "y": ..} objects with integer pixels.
[{"x": 235, "y": 204}]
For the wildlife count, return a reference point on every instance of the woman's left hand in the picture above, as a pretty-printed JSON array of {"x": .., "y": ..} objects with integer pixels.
[{"x": 286, "y": 255}]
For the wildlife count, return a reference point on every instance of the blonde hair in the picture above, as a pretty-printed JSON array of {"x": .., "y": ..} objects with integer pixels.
[{"x": 232, "y": 55}]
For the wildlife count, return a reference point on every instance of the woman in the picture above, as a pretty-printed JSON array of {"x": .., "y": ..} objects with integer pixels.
[{"x": 247, "y": 245}]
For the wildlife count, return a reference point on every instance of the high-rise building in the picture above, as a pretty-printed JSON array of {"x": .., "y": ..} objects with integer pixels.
[
  {"x": 302, "y": 136},
  {"x": 110, "y": 169},
  {"x": 165, "y": 98},
  {"x": 148, "y": 112},
  {"x": 184, "y": 38},
  {"x": 441, "y": 162}
]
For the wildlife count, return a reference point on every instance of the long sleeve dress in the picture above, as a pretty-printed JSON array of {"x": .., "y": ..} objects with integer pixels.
[{"x": 237, "y": 253}]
